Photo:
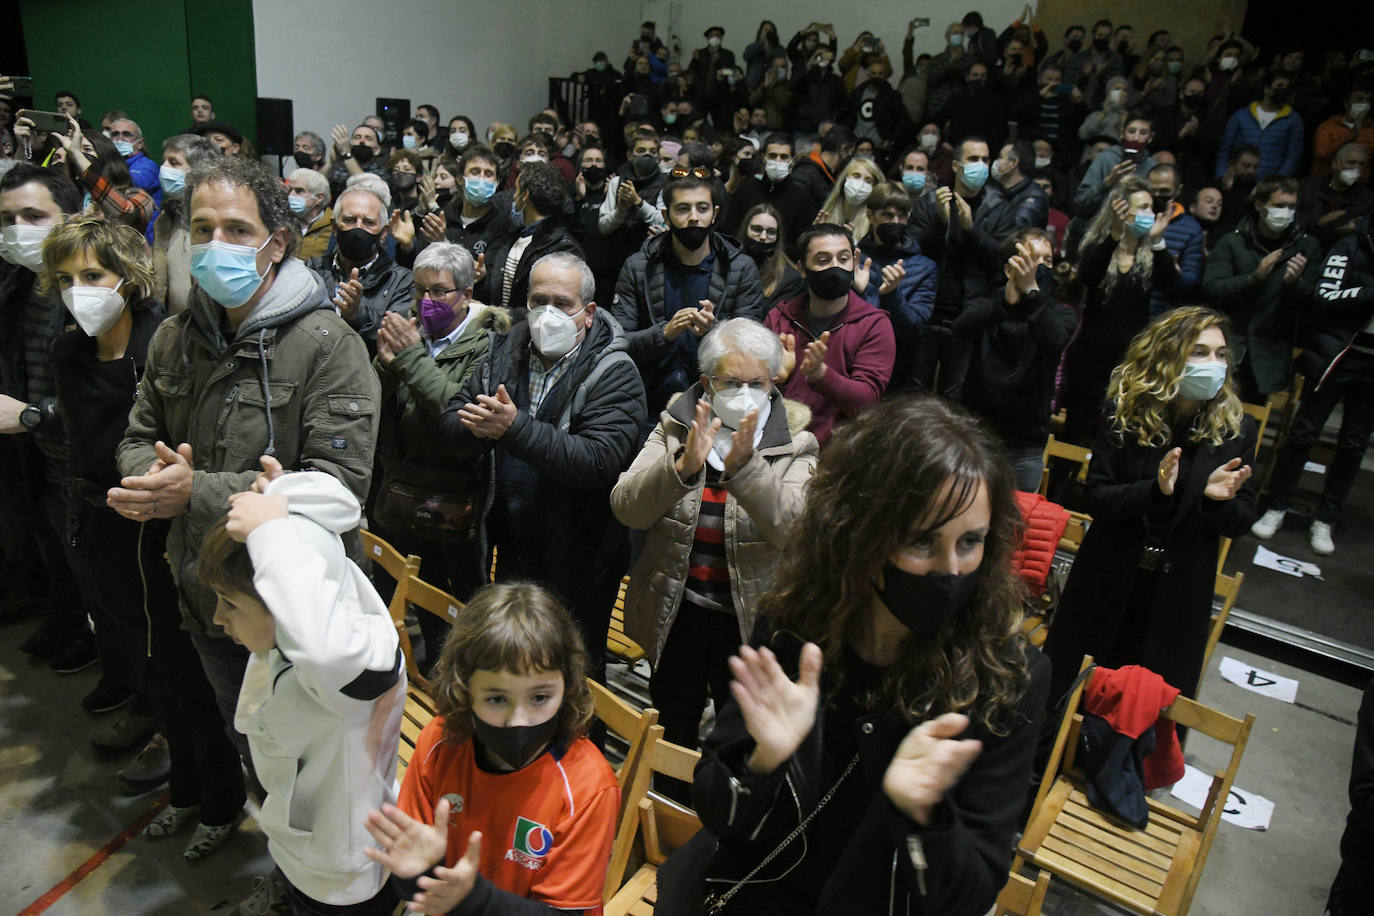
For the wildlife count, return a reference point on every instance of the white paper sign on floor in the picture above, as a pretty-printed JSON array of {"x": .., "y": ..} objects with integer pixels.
[
  {"x": 1264, "y": 682},
  {"x": 1269, "y": 560},
  {"x": 1243, "y": 808},
  {"x": 1314, "y": 467}
]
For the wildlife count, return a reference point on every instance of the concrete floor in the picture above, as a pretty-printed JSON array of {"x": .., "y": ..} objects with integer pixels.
[{"x": 60, "y": 804}]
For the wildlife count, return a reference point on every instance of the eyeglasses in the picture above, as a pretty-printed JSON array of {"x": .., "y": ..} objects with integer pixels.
[
  {"x": 696, "y": 171},
  {"x": 435, "y": 292},
  {"x": 734, "y": 384}
]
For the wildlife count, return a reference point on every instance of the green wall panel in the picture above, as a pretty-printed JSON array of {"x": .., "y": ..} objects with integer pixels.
[{"x": 146, "y": 57}]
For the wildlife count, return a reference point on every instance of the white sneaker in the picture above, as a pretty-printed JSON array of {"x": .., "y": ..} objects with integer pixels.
[
  {"x": 1319, "y": 536},
  {"x": 1268, "y": 524}
]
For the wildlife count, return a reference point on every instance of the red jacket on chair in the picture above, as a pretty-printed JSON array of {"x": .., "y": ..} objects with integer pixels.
[{"x": 1045, "y": 524}]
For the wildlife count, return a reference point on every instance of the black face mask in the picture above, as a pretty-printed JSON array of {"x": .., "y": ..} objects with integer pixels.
[
  {"x": 1044, "y": 278},
  {"x": 976, "y": 86},
  {"x": 444, "y": 196},
  {"x": 924, "y": 604},
  {"x": 1122, "y": 47},
  {"x": 890, "y": 234},
  {"x": 515, "y": 744},
  {"x": 303, "y": 159},
  {"x": 1101, "y": 44},
  {"x": 691, "y": 237},
  {"x": 759, "y": 250},
  {"x": 1075, "y": 45},
  {"x": 645, "y": 167},
  {"x": 830, "y": 283},
  {"x": 503, "y": 148},
  {"x": 362, "y": 153},
  {"x": 594, "y": 174},
  {"x": 357, "y": 244},
  {"x": 1281, "y": 95},
  {"x": 1162, "y": 202},
  {"x": 403, "y": 181},
  {"x": 1192, "y": 99}
]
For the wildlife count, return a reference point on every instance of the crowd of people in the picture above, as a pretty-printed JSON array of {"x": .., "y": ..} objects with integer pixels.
[{"x": 776, "y": 335}]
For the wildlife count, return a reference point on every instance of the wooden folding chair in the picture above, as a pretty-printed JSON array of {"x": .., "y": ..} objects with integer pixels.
[
  {"x": 1261, "y": 414},
  {"x": 634, "y": 727},
  {"x": 617, "y": 643},
  {"x": 402, "y": 570},
  {"x": 1022, "y": 896},
  {"x": 1153, "y": 871},
  {"x": 1227, "y": 588},
  {"x": 1072, "y": 538},
  {"x": 419, "y": 710},
  {"x": 435, "y": 601},
  {"x": 663, "y": 825},
  {"x": 1066, "y": 451}
]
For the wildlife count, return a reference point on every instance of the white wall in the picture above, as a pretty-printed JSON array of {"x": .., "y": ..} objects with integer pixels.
[
  {"x": 885, "y": 18},
  {"x": 490, "y": 61}
]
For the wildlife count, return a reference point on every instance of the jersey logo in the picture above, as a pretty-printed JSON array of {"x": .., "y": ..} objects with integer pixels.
[{"x": 531, "y": 844}]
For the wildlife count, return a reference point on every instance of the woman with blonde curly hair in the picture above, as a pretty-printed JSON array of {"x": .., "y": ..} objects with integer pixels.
[
  {"x": 1123, "y": 261},
  {"x": 878, "y": 749},
  {"x": 1169, "y": 479},
  {"x": 847, "y": 203},
  {"x": 522, "y": 804}
]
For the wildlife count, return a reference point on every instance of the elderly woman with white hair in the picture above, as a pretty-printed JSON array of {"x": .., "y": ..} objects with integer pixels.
[
  {"x": 423, "y": 502},
  {"x": 716, "y": 485},
  {"x": 308, "y": 194}
]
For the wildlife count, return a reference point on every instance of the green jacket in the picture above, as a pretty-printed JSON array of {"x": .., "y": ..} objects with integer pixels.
[
  {"x": 417, "y": 387},
  {"x": 205, "y": 390},
  {"x": 1265, "y": 314}
]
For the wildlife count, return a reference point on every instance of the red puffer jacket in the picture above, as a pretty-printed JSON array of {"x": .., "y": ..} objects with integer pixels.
[{"x": 1045, "y": 524}]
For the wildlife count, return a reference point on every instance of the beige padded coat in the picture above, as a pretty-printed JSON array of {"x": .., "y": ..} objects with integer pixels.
[{"x": 763, "y": 499}]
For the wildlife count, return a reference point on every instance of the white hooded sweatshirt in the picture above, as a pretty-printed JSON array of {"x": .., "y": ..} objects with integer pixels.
[{"x": 322, "y": 709}]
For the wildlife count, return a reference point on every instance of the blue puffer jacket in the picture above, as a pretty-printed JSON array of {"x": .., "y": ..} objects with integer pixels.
[
  {"x": 910, "y": 303},
  {"x": 1280, "y": 144},
  {"x": 1184, "y": 239}
]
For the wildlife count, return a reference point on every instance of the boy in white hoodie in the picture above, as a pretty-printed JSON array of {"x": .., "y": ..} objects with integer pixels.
[{"x": 324, "y": 689}]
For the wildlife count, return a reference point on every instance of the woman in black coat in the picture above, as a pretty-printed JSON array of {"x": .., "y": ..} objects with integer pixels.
[
  {"x": 906, "y": 761},
  {"x": 1169, "y": 479},
  {"x": 1123, "y": 261},
  {"x": 104, "y": 275}
]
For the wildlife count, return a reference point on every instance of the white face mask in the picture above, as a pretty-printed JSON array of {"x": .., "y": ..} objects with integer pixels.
[
  {"x": 777, "y": 170},
  {"x": 733, "y": 406},
  {"x": 1349, "y": 176},
  {"x": 1278, "y": 218},
  {"x": 1359, "y": 109},
  {"x": 1042, "y": 162},
  {"x": 23, "y": 245},
  {"x": 95, "y": 308},
  {"x": 458, "y": 139},
  {"x": 929, "y": 141},
  {"x": 1116, "y": 95},
  {"x": 553, "y": 332},
  {"x": 856, "y": 190},
  {"x": 1228, "y": 63}
]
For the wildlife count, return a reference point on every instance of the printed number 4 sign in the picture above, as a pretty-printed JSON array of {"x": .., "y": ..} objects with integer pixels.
[{"x": 1275, "y": 686}]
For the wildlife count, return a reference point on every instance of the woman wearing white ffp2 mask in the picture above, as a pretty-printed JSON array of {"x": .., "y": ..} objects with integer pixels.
[{"x": 735, "y": 457}]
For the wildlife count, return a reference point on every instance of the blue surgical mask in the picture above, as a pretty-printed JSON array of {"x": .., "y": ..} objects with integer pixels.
[
  {"x": 1142, "y": 224},
  {"x": 1201, "y": 381},
  {"x": 975, "y": 175},
  {"x": 173, "y": 181},
  {"x": 228, "y": 273},
  {"x": 296, "y": 203},
  {"x": 410, "y": 141},
  {"x": 479, "y": 190},
  {"x": 125, "y": 147},
  {"x": 914, "y": 181}
]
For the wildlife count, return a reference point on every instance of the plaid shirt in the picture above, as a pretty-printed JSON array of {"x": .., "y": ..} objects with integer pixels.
[
  {"x": 542, "y": 380},
  {"x": 133, "y": 206}
]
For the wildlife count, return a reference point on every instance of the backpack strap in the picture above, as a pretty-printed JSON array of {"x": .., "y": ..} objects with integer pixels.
[{"x": 579, "y": 398}]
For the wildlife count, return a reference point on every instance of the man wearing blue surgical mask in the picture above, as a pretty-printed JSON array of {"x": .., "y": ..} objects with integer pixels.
[
  {"x": 259, "y": 364},
  {"x": 128, "y": 139},
  {"x": 962, "y": 229}
]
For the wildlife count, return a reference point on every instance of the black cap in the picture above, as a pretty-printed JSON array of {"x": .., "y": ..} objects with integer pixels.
[
  {"x": 599, "y": 55},
  {"x": 714, "y": 28},
  {"x": 220, "y": 127}
]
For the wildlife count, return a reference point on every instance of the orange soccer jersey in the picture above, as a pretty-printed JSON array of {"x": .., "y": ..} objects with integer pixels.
[{"x": 546, "y": 828}]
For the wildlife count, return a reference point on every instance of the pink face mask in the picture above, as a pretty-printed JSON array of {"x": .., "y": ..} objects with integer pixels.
[{"x": 435, "y": 316}]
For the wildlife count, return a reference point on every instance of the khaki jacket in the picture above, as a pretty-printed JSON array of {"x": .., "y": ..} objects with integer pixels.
[
  {"x": 763, "y": 499},
  {"x": 202, "y": 389}
]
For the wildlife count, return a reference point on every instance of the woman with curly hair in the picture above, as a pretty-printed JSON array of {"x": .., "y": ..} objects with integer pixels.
[
  {"x": 1169, "y": 479},
  {"x": 1123, "y": 261},
  {"x": 522, "y": 804},
  {"x": 878, "y": 749}
]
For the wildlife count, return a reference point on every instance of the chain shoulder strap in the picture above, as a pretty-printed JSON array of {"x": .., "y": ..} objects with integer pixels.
[{"x": 716, "y": 902}]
